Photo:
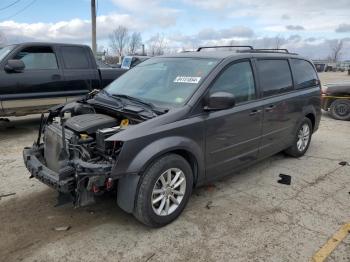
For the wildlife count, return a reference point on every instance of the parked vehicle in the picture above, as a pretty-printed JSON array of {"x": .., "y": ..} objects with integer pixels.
[
  {"x": 177, "y": 122},
  {"x": 101, "y": 64},
  {"x": 129, "y": 62},
  {"x": 36, "y": 76},
  {"x": 320, "y": 67},
  {"x": 132, "y": 61},
  {"x": 336, "y": 100}
]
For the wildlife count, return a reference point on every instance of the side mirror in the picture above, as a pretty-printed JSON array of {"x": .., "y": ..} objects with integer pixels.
[
  {"x": 220, "y": 101},
  {"x": 14, "y": 65}
]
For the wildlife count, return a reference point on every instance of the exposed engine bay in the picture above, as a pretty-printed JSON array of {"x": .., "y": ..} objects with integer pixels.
[
  {"x": 84, "y": 139},
  {"x": 74, "y": 147}
]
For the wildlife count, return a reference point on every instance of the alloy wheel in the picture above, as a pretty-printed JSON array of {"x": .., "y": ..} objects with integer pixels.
[
  {"x": 303, "y": 137},
  {"x": 168, "y": 191}
]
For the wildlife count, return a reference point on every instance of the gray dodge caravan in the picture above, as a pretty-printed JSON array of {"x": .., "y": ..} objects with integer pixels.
[{"x": 176, "y": 122}]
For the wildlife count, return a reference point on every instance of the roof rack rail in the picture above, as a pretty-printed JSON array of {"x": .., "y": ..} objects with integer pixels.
[
  {"x": 250, "y": 49},
  {"x": 224, "y": 46},
  {"x": 268, "y": 50},
  {"x": 279, "y": 50}
]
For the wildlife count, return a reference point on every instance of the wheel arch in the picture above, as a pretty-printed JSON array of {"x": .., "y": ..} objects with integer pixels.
[
  {"x": 311, "y": 113},
  {"x": 190, "y": 158},
  {"x": 128, "y": 185},
  {"x": 312, "y": 118},
  {"x": 189, "y": 149}
]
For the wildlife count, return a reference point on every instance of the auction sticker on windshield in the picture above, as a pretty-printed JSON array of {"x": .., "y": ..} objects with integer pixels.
[{"x": 187, "y": 79}]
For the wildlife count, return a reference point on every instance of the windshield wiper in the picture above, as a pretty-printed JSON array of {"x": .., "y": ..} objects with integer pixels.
[
  {"x": 102, "y": 91},
  {"x": 140, "y": 101}
]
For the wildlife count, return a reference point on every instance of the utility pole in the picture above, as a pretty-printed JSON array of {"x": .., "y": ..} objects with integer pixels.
[
  {"x": 93, "y": 26},
  {"x": 143, "y": 49}
]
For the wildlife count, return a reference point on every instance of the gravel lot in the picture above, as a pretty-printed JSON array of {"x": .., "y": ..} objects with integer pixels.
[{"x": 245, "y": 217}]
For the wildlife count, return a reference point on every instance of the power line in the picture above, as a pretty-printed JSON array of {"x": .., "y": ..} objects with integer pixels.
[
  {"x": 5, "y": 7},
  {"x": 20, "y": 11}
]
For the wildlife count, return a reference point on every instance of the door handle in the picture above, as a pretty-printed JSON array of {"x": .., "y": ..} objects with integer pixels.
[
  {"x": 56, "y": 77},
  {"x": 254, "y": 112},
  {"x": 270, "y": 108}
]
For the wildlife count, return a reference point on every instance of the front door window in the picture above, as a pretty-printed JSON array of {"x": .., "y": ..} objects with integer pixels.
[
  {"x": 238, "y": 80},
  {"x": 37, "y": 58}
]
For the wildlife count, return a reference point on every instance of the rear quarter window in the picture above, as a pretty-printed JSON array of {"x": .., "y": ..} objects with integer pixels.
[
  {"x": 75, "y": 57},
  {"x": 304, "y": 73},
  {"x": 275, "y": 76}
]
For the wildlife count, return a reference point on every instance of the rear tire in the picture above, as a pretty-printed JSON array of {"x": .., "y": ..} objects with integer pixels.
[
  {"x": 340, "y": 109},
  {"x": 164, "y": 190},
  {"x": 302, "y": 139}
]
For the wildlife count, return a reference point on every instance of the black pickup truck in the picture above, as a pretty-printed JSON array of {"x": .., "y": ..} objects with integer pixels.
[{"x": 36, "y": 76}]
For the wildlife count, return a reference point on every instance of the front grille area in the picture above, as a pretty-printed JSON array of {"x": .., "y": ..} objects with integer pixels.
[{"x": 53, "y": 145}]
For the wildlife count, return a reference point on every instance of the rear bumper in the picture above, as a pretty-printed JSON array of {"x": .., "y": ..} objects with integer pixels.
[{"x": 37, "y": 169}]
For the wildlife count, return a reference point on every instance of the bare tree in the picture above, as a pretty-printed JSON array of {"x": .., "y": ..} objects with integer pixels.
[
  {"x": 336, "y": 49},
  {"x": 157, "y": 45},
  {"x": 194, "y": 44},
  {"x": 232, "y": 42},
  {"x": 119, "y": 39},
  {"x": 278, "y": 42},
  {"x": 135, "y": 42}
]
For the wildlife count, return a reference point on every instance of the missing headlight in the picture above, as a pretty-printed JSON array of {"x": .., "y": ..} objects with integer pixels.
[{"x": 102, "y": 135}]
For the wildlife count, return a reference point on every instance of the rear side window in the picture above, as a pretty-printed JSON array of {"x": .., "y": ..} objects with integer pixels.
[
  {"x": 75, "y": 57},
  {"x": 37, "y": 57},
  {"x": 305, "y": 75},
  {"x": 238, "y": 80},
  {"x": 275, "y": 76}
]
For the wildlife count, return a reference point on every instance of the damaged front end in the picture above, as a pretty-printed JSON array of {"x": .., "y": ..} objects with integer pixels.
[{"x": 72, "y": 155}]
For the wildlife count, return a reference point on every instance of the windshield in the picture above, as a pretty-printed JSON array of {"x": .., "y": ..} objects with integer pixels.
[
  {"x": 4, "y": 51},
  {"x": 163, "y": 81}
]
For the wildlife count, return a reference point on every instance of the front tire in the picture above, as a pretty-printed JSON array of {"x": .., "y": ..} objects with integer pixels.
[
  {"x": 302, "y": 139},
  {"x": 340, "y": 109},
  {"x": 164, "y": 191}
]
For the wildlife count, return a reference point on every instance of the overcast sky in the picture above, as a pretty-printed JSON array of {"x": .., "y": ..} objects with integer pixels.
[{"x": 303, "y": 26}]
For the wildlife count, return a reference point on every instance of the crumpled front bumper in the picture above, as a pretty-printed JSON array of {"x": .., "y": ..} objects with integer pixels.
[{"x": 32, "y": 158}]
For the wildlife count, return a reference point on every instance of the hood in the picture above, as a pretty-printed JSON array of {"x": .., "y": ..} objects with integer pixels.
[{"x": 150, "y": 126}]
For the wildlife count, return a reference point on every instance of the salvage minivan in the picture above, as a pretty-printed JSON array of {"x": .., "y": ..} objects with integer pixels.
[{"x": 174, "y": 123}]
